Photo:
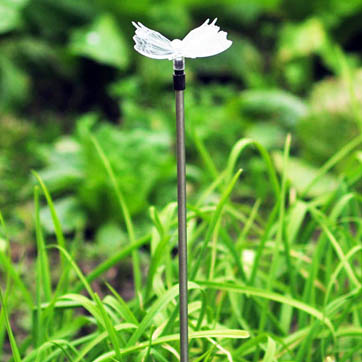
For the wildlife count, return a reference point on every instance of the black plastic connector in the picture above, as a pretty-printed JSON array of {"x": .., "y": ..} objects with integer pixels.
[{"x": 179, "y": 80}]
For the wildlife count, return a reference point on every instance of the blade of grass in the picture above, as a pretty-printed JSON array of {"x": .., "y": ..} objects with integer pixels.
[
  {"x": 213, "y": 222},
  {"x": 43, "y": 286},
  {"x": 63, "y": 284},
  {"x": 337, "y": 270},
  {"x": 109, "y": 328},
  {"x": 42, "y": 258},
  {"x": 157, "y": 251},
  {"x": 262, "y": 293},
  {"x": 57, "y": 227},
  {"x": 354, "y": 354},
  {"x": 9, "y": 269},
  {"x": 5, "y": 317},
  {"x": 157, "y": 307},
  {"x": 205, "y": 156},
  {"x": 123, "y": 307},
  {"x": 279, "y": 240},
  {"x": 280, "y": 236},
  {"x": 75, "y": 267},
  {"x": 210, "y": 229},
  {"x": 99, "y": 339},
  {"x": 64, "y": 350},
  {"x": 320, "y": 218},
  {"x": 340, "y": 155},
  {"x": 236, "y": 151},
  {"x": 222, "y": 333},
  {"x": 249, "y": 346},
  {"x": 127, "y": 217},
  {"x": 270, "y": 351},
  {"x": 230, "y": 244},
  {"x": 51, "y": 356},
  {"x": 249, "y": 223},
  {"x": 113, "y": 260},
  {"x": 50, "y": 306},
  {"x": 261, "y": 246},
  {"x": 306, "y": 346}
]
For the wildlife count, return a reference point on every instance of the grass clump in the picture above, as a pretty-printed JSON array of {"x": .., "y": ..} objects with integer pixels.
[{"x": 270, "y": 280}]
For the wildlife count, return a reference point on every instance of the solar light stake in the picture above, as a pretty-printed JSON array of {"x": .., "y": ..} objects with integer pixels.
[
  {"x": 179, "y": 86},
  {"x": 203, "y": 41}
]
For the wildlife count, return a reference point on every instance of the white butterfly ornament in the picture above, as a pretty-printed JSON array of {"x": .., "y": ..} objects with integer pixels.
[{"x": 204, "y": 41}]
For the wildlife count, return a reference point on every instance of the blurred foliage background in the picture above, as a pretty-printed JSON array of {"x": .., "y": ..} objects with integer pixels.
[{"x": 68, "y": 70}]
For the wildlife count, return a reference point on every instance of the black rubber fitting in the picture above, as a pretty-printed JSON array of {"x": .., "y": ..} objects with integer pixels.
[{"x": 179, "y": 81}]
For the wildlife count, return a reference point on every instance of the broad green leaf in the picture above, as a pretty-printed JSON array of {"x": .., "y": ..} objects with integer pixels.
[
  {"x": 110, "y": 237},
  {"x": 65, "y": 166},
  {"x": 243, "y": 61},
  {"x": 267, "y": 134},
  {"x": 333, "y": 119},
  {"x": 14, "y": 82},
  {"x": 274, "y": 103},
  {"x": 301, "y": 174},
  {"x": 299, "y": 40},
  {"x": 101, "y": 41},
  {"x": 10, "y": 14}
]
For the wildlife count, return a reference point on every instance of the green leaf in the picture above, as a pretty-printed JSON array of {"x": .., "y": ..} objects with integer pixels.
[
  {"x": 243, "y": 60},
  {"x": 296, "y": 216},
  {"x": 100, "y": 338},
  {"x": 65, "y": 167},
  {"x": 14, "y": 82},
  {"x": 215, "y": 333},
  {"x": 270, "y": 351},
  {"x": 70, "y": 214},
  {"x": 300, "y": 40},
  {"x": 156, "y": 308},
  {"x": 4, "y": 315},
  {"x": 335, "y": 105},
  {"x": 262, "y": 293},
  {"x": 101, "y": 41},
  {"x": 110, "y": 237},
  {"x": 301, "y": 174},
  {"x": 274, "y": 104},
  {"x": 57, "y": 225},
  {"x": 10, "y": 16},
  {"x": 267, "y": 134},
  {"x": 109, "y": 327}
]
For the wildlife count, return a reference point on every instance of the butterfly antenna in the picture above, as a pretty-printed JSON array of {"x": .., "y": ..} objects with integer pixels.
[{"x": 142, "y": 26}]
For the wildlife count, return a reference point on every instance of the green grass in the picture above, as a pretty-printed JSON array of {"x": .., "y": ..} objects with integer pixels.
[{"x": 270, "y": 280}]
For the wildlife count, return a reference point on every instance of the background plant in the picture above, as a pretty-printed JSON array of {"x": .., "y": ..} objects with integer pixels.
[{"x": 287, "y": 232}]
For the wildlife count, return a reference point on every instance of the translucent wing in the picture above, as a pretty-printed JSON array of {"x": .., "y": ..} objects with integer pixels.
[
  {"x": 152, "y": 44},
  {"x": 204, "y": 41}
]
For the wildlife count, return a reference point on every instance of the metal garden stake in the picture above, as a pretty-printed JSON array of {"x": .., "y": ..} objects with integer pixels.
[{"x": 204, "y": 41}]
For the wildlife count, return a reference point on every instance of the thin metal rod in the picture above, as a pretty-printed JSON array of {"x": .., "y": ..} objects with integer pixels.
[{"x": 182, "y": 236}]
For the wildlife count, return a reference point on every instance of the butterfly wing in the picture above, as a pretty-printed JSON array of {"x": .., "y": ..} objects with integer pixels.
[
  {"x": 205, "y": 41},
  {"x": 152, "y": 44}
]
